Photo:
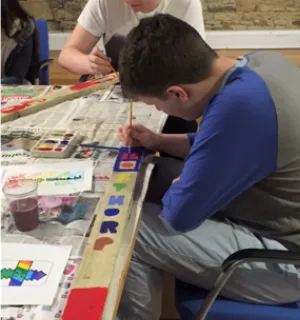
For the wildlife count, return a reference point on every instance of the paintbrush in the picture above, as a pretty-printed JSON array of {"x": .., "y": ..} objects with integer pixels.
[
  {"x": 130, "y": 111},
  {"x": 113, "y": 70},
  {"x": 130, "y": 119}
]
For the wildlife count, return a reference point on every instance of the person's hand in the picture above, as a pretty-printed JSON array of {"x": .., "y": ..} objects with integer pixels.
[
  {"x": 137, "y": 136},
  {"x": 98, "y": 62},
  {"x": 175, "y": 180}
]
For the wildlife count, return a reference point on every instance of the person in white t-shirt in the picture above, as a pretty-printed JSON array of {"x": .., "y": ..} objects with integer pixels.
[{"x": 112, "y": 20}]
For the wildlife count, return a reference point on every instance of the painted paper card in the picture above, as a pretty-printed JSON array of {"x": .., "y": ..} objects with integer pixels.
[
  {"x": 30, "y": 273},
  {"x": 56, "y": 179}
]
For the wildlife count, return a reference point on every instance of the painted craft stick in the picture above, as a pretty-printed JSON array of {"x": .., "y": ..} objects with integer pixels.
[
  {"x": 88, "y": 296},
  {"x": 75, "y": 91}
]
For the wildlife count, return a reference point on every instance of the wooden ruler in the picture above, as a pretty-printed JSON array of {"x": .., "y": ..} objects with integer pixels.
[
  {"x": 89, "y": 292},
  {"x": 75, "y": 91}
]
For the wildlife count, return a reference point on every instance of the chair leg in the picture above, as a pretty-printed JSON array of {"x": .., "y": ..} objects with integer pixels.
[{"x": 212, "y": 295}]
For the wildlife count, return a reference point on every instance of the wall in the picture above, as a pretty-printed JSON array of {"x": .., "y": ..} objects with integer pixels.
[{"x": 218, "y": 14}]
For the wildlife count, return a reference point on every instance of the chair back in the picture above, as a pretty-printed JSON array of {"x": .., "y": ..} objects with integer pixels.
[{"x": 42, "y": 27}]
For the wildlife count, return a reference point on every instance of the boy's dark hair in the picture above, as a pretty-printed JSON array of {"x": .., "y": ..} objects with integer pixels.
[
  {"x": 160, "y": 52},
  {"x": 10, "y": 11}
]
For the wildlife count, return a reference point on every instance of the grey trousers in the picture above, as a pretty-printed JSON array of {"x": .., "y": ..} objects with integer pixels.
[{"x": 196, "y": 257}]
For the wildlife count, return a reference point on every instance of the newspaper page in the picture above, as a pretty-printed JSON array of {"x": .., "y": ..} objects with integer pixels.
[
  {"x": 63, "y": 220},
  {"x": 97, "y": 117}
]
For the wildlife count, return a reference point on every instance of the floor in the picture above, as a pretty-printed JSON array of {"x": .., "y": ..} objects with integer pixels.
[{"x": 61, "y": 76}]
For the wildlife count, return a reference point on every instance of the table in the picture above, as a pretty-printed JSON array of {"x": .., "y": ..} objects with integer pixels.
[{"x": 95, "y": 116}]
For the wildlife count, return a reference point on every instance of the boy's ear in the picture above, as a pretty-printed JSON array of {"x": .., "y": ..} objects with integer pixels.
[{"x": 178, "y": 92}]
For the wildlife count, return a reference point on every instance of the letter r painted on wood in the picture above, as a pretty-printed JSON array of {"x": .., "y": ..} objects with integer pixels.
[{"x": 109, "y": 227}]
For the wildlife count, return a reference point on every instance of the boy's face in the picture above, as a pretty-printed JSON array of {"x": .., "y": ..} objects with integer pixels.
[{"x": 142, "y": 5}]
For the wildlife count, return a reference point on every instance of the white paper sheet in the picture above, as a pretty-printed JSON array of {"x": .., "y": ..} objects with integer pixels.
[
  {"x": 56, "y": 178},
  {"x": 30, "y": 273}
]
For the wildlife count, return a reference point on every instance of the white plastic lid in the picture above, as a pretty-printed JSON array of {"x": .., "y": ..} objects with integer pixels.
[{"x": 20, "y": 188}]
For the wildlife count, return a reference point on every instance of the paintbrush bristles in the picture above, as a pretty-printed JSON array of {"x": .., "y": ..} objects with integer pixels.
[{"x": 114, "y": 70}]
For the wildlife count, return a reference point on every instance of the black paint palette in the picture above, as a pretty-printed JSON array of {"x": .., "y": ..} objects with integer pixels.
[{"x": 56, "y": 144}]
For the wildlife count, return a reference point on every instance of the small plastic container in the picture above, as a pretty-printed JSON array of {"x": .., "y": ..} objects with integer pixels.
[{"x": 21, "y": 196}]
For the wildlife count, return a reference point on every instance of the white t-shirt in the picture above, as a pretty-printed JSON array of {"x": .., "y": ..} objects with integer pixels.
[
  {"x": 114, "y": 19},
  {"x": 109, "y": 17}
]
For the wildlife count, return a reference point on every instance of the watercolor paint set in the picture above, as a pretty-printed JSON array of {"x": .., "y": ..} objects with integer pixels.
[{"x": 56, "y": 144}]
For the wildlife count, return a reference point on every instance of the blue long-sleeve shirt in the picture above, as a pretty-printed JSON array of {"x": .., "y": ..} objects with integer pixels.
[{"x": 234, "y": 148}]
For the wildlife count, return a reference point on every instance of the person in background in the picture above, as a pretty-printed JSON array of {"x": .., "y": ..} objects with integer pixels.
[
  {"x": 19, "y": 50},
  {"x": 113, "y": 20},
  {"x": 238, "y": 185}
]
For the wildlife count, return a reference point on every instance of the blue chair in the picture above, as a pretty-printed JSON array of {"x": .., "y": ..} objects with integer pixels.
[
  {"x": 193, "y": 303},
  {"x": 42, "y": 27}
]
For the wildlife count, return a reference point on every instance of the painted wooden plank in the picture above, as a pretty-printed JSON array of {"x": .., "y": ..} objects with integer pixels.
[{"x": 88, "y": 296}]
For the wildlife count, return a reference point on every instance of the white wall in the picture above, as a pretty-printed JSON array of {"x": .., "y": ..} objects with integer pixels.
[{"x": 273, "y": 39}]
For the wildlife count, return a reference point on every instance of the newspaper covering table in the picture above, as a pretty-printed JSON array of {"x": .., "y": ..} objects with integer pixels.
[{"x": 66, "y": 220}]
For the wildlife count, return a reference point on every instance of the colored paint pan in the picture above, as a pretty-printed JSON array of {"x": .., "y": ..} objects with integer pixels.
[
  {"x": 45, "y": 149},
  {"x": 58, "y": 144},
  {"x": 45, "y": 145}
]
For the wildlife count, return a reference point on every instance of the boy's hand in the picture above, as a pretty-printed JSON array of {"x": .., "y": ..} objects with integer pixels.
[
  {"x": 137, "y": 136},
  {"x": 175, "y": 180}
]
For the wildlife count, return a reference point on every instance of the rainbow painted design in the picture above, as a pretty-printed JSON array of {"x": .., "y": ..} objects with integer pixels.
[{"x": 21, "y": 273}]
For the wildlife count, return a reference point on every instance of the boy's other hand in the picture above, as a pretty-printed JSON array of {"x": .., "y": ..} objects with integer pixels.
[{"x": 175, "y": 180}]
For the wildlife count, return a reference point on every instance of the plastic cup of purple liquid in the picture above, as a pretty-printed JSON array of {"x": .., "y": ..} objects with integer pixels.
[{"x": 21, "y": 196}]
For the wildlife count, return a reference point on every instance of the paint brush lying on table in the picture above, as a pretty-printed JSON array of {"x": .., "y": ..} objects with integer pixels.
[{"x": 96, "y": 146}]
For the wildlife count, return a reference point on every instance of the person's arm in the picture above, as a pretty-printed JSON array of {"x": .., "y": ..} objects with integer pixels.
[
  {"x": 235, "y": 148},
  {"x": 87, "y": 33},
  {"x": 194, "y": 17},
  {"x": 177, "y": 145},
  {"x": 11, "y": 81},
  {"x": 74, "y": 56},
  {"x": 20, "y": 65}
]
